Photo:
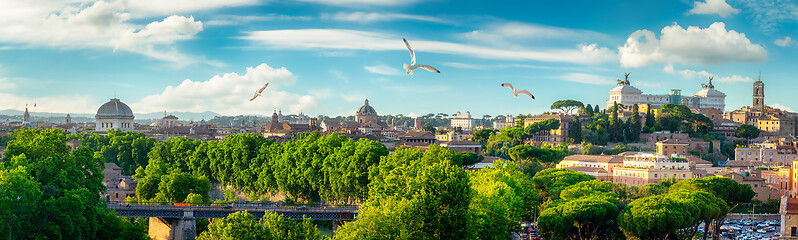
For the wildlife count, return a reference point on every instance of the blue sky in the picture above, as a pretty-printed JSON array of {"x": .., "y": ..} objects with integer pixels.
[{"x": 327, "y": 56}]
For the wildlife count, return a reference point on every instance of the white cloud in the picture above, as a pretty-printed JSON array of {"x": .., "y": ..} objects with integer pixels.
[
  {"x": 353, "y": 97},
  {"x": 343, "y": 39},
  {"x": 383, "y": 69},
  {"x": 786, "y": 41},
  {"x": 100, "y": 25},
  {"x": 687, "y": 73},
  {"x": 364, "y": 17},
  {"x": 230, "y": 93},
  {"x": 587, "y": 78},
  {"x": 782, "y": 107},
  {"x": 719, "y": 7},
  {"x": 506, "y": 32},
  {"x": 361, "y": 3},
  {"x": 5, "y": 84},
  {"x": 694, "y": 45},
  {"x": 149, "y": 8},
  {"x": 226, "y": 20}
]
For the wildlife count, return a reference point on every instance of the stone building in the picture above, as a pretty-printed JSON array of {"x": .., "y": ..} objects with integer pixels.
[
  {"x": 773, "y": 122},
  {"x": 463, "y": 121},
  {"x": 366, "y": 114},
  {"x": 119, "y": 187},
  {"x": 788, "y": 209},
  {"x": 554, "y": 136},
  {"x": 628, "y": 95},
  {"x": 114, "y": 115}
]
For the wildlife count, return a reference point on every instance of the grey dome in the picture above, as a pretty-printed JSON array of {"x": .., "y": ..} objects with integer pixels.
[
  {"x": 366, "y": 109},
  {"x": 114, "y": 109}
]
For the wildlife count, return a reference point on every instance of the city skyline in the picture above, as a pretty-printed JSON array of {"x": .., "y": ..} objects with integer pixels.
[{"x": 325, "y": 57}]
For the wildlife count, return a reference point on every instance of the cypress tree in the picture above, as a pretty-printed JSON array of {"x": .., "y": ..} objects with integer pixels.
[
  {"x": 635, "y": 125},
  {"x": 576, "y": 131},
  {"x": 649, "y": 118},
  {"x": 614, "y": 126},
  {"x": 595, "y": 109},
  {"x": 589, "y": 110}
]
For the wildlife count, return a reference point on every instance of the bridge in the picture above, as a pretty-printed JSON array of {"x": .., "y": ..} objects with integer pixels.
[{"x": 179, "y": 221}]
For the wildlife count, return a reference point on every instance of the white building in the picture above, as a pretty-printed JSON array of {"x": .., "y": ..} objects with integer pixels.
[
  {"x": 463, "y": 121},
  {"x": 628, "y": 95},
  {"x": 507, "y": 122},
  {"x": 114, "y": 115}
]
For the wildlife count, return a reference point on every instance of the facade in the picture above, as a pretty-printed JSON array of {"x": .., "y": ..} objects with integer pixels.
[
  {"x": 417, "y": 138},
  {"x": 599, "y": 166},
  {"x": 26, "y": 118},
  {"x": 767, "y": 155},
  {"x": 278, "y": 129},
  {"x": 114, "y": 115},
  {"x": 788, "y": 209},
  {"x": 165, "y": 122},
  {"x": 463, "y": 146},
  {"x": 644, "y": 168},
  {"x": 628, "y": 95},
  {"x": 452, "y": 136},
  {"x": 507, "y": 122},
  {"x": 779, "y": 178},
  {"x": 463, "y": 121},
  {"x": 119, "y": 187},
  {"x": 554, "y": 136},
  {"x": 672, "y": 147}
]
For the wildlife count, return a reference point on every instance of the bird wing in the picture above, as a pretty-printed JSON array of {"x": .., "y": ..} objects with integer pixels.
[
  {"x": 412, "y": 53},
  {"x": 253, "y": 97},
  {"x": 525, "y": 92},
  {"x": 508, "y": 85},
  {"x": 429, "y": 68},
  {"x": 263, "y": 88}
]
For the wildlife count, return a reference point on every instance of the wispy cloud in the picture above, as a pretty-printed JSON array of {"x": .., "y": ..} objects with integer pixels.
[
  {"x": 719, "y": 7},
  {"x": 687, "y": 73},
  {"x": 344, "y": 39},
  {"x": 782, "y": 107},
  {"x": 510, "y": 33},
  {"x": 586, "y": 78},
  {"x": 769, "y": 14},
  {"x": 231, "y": 20},
  {"x": 362, "y": 3},
  {"x": 383, "y": 69},
  {"x": 370, "y": 17}
]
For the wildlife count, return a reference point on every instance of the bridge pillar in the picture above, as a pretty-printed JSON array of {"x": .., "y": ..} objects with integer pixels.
[{"x": 184, "y": 228}]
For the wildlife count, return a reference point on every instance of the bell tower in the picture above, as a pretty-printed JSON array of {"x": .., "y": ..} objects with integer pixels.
[{"x": 759, "y": 94}]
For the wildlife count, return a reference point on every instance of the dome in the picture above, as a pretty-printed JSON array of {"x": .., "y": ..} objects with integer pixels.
[
  {"x": 114, "y": 109},
  {"x": 366, "y": 109}
]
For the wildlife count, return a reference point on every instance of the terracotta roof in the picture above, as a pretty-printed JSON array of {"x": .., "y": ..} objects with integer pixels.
[
  {"x": 673, "y": 141},
  {"x": 458, "y": 143},
  {"x": 418, "y": 134},
  {"x": 587, "y": 169},
  {"x": 791, "y": 206},
  {"x": 112, "y": 166},
  {"x": 595, "y": 158},
  {"x": 696, "y": 160}
]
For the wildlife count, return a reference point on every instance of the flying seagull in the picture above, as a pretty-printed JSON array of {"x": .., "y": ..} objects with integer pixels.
[
  {"x": 413, "y": 64},
  {"x": 258, "y": 93},
  {"x": 516, "y": 91}
]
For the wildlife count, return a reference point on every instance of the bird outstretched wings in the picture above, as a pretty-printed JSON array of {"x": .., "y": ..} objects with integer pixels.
[
  {"x": 508, "y": 85},
  {"x": 412, "y": 53},
  {"x": 258, "y": 93},
  {"x": 525, "y": 92},
  {"x": 429, "y": 68}
]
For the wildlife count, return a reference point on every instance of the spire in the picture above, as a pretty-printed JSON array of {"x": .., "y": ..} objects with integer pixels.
[{"x": 367, "y": 101}]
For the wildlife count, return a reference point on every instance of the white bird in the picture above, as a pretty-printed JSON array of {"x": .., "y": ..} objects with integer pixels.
[
  {"x": 258, "y": 93},
  {"x": 516, "y": 91},
  {"x": 413, "y": 64}
]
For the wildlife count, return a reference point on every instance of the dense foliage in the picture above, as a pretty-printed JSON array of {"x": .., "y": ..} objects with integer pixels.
[
  {"x": 242, "y": 226},
  {"x": 46, "y": 191}
]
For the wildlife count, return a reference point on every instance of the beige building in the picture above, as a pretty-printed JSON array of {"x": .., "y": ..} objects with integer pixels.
[
  {"x": 773, "y": 122},
  {"x": 463, "y": 146},
  {"x": 599, "y": 166},
  {"x": 507, "y": 122},
  {"x": 114, "y": 115},
  {"x": 452, "y": 136},
  {"x": 672, "y": 147},
  {"x": 644, "y": 168},
  {"x": 788, "y": 209},
  {"x": 628, "y": 95},
  {"x": 554, "y": 136},
  {"x": 119, "y": 187}
]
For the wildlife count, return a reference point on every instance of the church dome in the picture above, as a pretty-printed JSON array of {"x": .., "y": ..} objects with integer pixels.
[
  {"x": 114, "y": 109},
  {"x": 366, "y": 109}
]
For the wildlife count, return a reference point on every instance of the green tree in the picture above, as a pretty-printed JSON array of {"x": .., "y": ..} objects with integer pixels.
[
  {"x": 728, "y": 190},
  {"x": 575, "y": 135},
  {"x": 567, "y": 106},
  {"x": 596, "y": 109},
  {"x": 655, "y": 217},
  {"x": 19, "y": 195},
  {"x": 498, "y": 148},
  {"x": 176, "y": 186},
  {"x": 635, "y": 126},
  {"x": 482, "y": 136},
  {"x": 578, "y": 219},
  {"x": 502, "y": 197},
  {"x": 553, "y": 180},
  {"x": 747, "y": 131}
]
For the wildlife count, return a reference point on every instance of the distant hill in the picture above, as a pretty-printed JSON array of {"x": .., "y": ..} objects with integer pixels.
[{"x": 16, "y": 115}]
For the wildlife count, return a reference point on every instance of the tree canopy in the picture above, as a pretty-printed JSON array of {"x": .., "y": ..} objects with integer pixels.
[{"x": 567, "y": 106}]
